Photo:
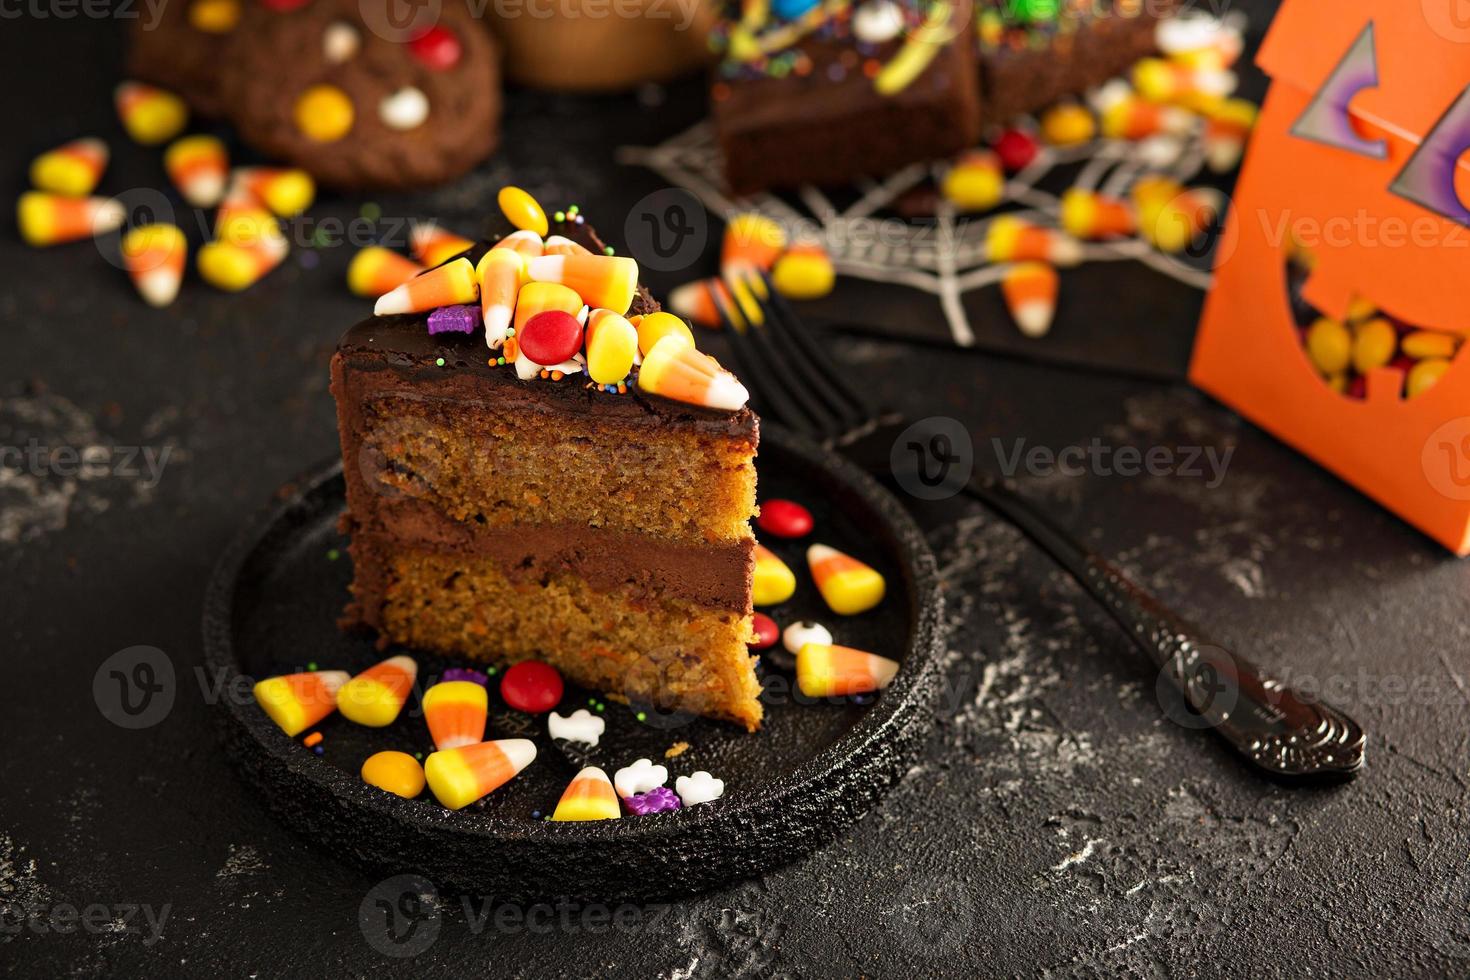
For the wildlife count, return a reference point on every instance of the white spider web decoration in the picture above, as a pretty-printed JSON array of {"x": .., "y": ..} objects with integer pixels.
[{"x": 946, "y": 258}]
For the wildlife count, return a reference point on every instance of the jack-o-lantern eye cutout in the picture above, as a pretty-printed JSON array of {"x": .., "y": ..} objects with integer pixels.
[
  {"x": 1428, "y": 178},
  {"x": 1326, "y": 119}
]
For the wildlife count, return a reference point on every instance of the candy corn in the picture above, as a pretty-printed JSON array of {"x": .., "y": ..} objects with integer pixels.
[
  {"x": 1089, "y": 215},
  {"x": 375, "y": 270},
  {"x": 674, "y": 369},
  {"x": 455, "y": 713},
  {"x": 150, "y": 115},
  {"x": 561, "y": 245},
  {"x": 752, "y": 241},
  {"x": 71, "y": 170},
  {"x": 295, "y": 702},
  {"x": 653, "y": 327},
  {"x": 1195, "y": 86},
  {"x": 608, "y": 281},
  {"x": 433, "y": 245},
  {"x": 1133, "y": 118},
  {"x": 538, "y": 297},
  {"x": 1030, "y": 291},
  {"x": 696, "y": 300},
  {"x": 154, "y": 256},
  {"x": 375, "y": 696},
  {"x": 611, "y": 344},
  {"x": 1177, "y": 221},
  {"x": 459, "y": 777},
  {"x": 975, "y": 182},
  {"x": 527, "y": 243},
  {"x": 199, "y": 167},
  {"x": 446, "y": 285},
  {"x": 502, "y": 273},
  {"x": 848, "y": 586},
  {"x": 804, "y": 272},
  {"x": 523, "y": 210},
  {"x": 824, "y": 670},
  {"x": 287, "y": 192},
  {"x": 773, "y": 581},
  {"x": 1012, "y": 239},
  {"x": 248, "y": 245},
  {"x": 49, "y": 219},
  {"x": 589, "y": 797},
  {"x": 1227, "y": 127}
]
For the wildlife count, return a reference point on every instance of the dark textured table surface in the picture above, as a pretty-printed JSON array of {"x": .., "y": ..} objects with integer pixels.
[{"x": 1056, "y": 823}]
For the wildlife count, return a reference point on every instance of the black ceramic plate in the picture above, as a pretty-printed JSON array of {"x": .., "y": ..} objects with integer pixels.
[{"x": 812, "y": 769}]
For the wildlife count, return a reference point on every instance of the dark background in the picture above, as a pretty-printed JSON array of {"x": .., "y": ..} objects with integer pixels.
[{"x": 1057, "y": 822}]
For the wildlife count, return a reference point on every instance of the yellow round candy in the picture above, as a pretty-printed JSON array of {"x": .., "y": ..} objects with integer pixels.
[
  {"x": 1067, "y": 125},
  {"x": 973, "y": 186},
  {"x": 1360, "y": 309},
  {"x": 1427, "y": 343},
  {"x": 1374, "y": 345},
  {"x": 1425, "y": 375},
  {"x": 397, "y": 772},
  {"x": 324, "y": 113},
  {"x": 656, "y": 326},
  {"x": 214, "y": 16},
  {"x": 522, "y": 210},
  {"x": 157, "y": 118},
  {"x": 227, "y": 266},
  {"x": 1329, "y": 345},
  {"x": 804, "y": 274}
]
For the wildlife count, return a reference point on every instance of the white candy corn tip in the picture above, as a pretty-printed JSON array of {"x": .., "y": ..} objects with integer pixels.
[
  {"x": 640, "y": 777},
  {"x": 159, "y": 287},
  {"x": 497, "y": 325},
  {"x": 109, "y": 216},
  {"x": 332, "y": 681},
  {"x": 726, "y": 392},
  {"x": 520, "y": 751},
  {"x": 819, "y": 553},
  {"x": 594, "y": 773},
  {"x": 546, "y": 268},
  {"x": 699, "y": 788},
  {"x": 580, "y": 726},
  {"x": 526, "y": 369},
  {"x": 205, "y": 190},
  {"x": 1033, "y": 319}
]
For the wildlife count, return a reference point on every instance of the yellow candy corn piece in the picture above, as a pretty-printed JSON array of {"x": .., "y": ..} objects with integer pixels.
[
  {"x": 1011, "y": 239},
  {"x": 446, "y": 285},
  {"x": 824, "y": 670},
  {"x": 502, "y": 273},
  {"x": 72, "y": 169},
  {"x": 606, "y": 281},
  {"x": 286, "y": 191},
  {"x": 232, "y": 267},
  {"x": 50, "y": 219},
  {"x": 674, "y": 369},
  {"x": 804, "y": 272},
  {"x": 375, "y": 696},
  {"x": 150, "y": 115},
  {"x": 199, "y": 167},
  {"x": 848, "y": 586},
  {"x": 154, "y": 256},
  {"x": 524, "y": 211},
  {"x": 455, "y": 713},
  {"x": 589, "y": 797},
  {"x": 538, "y": 297},
  {"x": 1089, "y": 215},
  {"x": 459, "y": 777},
  {"x": 1030, "y": 291},
  {"x": 528, "y": 243},
  {"x": 295, "y": 702},
  {"x": 433, "y": 245},
  {"x": 752, "y": 241},
  {"x": 612, "y": 343},
  {"x": 375, "y": 270},
  {"x": 773, "y": 582}
]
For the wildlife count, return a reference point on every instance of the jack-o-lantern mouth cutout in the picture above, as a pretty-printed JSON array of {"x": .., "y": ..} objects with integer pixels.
[{"x": 1366, "y": 343}]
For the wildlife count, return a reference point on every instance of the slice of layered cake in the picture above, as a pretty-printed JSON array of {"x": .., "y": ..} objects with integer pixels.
[{"x": 540, "y": 464}]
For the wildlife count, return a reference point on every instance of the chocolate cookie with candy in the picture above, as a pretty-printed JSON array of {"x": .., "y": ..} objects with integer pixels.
[
  {"x": 178, "y": 45},
  {"x": 365, "y": 93}
]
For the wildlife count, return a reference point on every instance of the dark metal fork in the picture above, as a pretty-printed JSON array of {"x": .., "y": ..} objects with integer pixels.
[{"x": 795, "y": 384}]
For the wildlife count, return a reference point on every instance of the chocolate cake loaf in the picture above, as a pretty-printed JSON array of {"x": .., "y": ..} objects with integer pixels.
[{"x": 503, "y": 514}]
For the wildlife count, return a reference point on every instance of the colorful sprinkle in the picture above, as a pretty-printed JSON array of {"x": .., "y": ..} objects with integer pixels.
[{"x": 454, "y": 319}]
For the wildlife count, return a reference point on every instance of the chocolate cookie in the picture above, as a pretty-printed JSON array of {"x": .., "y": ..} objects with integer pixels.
[
  {"x": 365, "y": 93},
  {"x": 178, "y": 45}
]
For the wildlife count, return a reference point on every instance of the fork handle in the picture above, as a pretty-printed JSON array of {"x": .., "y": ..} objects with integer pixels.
[{"x": 1274, "y": 726}]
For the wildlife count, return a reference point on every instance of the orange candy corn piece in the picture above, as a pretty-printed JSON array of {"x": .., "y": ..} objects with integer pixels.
[
  {"x": 375, "y": 696},
  {"x": 1012, "y": 239},
  {"x": 848, "y": 586},
  {"x": 50, "y": 219},
  {"x": 455, "y": 713},
  {"x": 525, "y": 241},
  {"x": 150, "y": 115},
  {"x": 199, "y": 167},
  {"x": 1030, "y": 291},
  {"x": 825, "y": 670},
  {"x": 286, "y": 191},
  {"x": 72, "y": 169},
  {"x": 241, "y": 261},
  {"x": 446, "y": 285},
  {"x": 459, "y": 777},
  {"x": 432, "y": 245},
  {"x": 751, "y": 241},
  {"x": 561, "y": 245},
  {"x": 502, "y": 273},
  {"x": 674, "y": 369},
  {"x": 375, "y": 270},
  {"x": 589, "y": 797},
  {"x": 154, "y": 256},
  {"x": 1090, "y": 215},
  {"x": 295, "y": 702},
  {"x": 606, "y": 281}
]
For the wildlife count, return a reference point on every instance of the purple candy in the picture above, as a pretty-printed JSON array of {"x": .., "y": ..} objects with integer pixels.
[
  {"x": 454, "y": 319},
  {"x": 465, "y": 674},
  {"x": 660, "y": 799}
]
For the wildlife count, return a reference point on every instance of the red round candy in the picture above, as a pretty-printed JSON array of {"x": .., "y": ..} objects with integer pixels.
[
  {"x": 766, "y": 632},
  {"x": 783, "y": 518},
  {"x": 1016, "y": 149},
  {"x": 438, "y": 48},
  {"x": 550, "y": 337},
  {"x": 532, "y": 687}
]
